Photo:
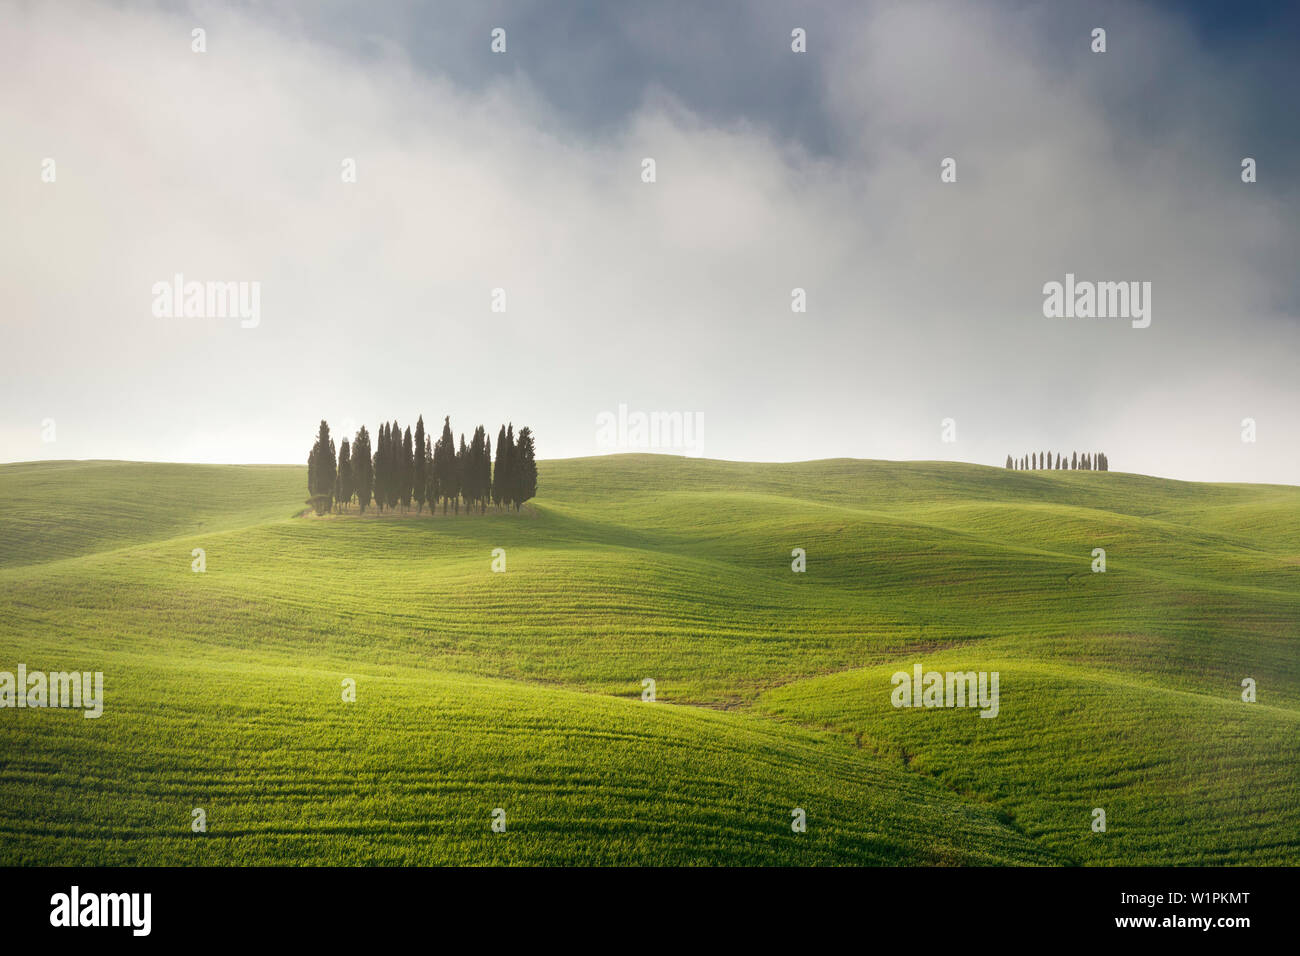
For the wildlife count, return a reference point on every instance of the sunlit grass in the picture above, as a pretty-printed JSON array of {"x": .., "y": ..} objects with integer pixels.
[{"x": 522, "y": 690}]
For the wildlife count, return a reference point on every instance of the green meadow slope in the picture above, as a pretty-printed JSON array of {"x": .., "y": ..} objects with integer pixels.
[{"x": 478, "y": 690}]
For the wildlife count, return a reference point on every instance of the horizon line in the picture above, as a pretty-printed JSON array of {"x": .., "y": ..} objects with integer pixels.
[{"x": 660, "y": 454}]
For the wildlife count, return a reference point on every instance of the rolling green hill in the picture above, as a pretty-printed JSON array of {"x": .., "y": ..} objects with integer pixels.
[{"x": 522, "y": 690}]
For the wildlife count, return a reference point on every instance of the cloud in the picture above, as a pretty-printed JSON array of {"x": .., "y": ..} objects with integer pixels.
[{"x": 924, "y": 299}]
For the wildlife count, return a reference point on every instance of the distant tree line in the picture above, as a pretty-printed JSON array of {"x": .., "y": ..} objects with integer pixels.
[
  {"x": 1042, "y": 461},
  {"x": 405, "y": 468}
]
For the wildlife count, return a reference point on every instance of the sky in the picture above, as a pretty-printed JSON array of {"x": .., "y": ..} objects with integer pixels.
[{"x": 127, "y": 158}]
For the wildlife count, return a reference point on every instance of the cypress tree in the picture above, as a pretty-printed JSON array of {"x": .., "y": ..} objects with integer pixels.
[
  {"x": 499, "y": 469},
  {"x": 390, "y": 479},
  {"x": 417, "y": 475},
  {"x": 382, "y": 460},
  {"x": 332, "y": 470},
  {"x": 483, "y": 464},
  {"x": 468, "y": 474},
  {"x": 380, "y": 467},
  {"x": 511, "y": 479},
  {"x": 383, "y": 465},
  {"x": 321, "y": 467},
  {"x": 444, "y": 462},
  {"x": 526, "y": 467},
  {"x": 390, "y": 462},
  {"x": 322, "y": 442},
  {"x": 322, "y": 471},
  {"x": 472, "y": 479},
  {"x": 344, "y": 496},
  {"x": 431, "y": 485},
  {"x": 329, "y": 474},
  {"x": 407, "y": 468},
  {"x": 462, "y": 469},
  {"x": 363, "y": 475},
  {"x": 485, "y": 474},
  {"x": 394, "y": 490}
]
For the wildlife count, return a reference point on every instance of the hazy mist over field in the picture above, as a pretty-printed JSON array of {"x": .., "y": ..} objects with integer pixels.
[{"x": 775, "y": 170}]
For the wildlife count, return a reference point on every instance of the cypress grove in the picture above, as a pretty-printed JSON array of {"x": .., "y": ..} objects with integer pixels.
[{"x": 406, "y": 466}]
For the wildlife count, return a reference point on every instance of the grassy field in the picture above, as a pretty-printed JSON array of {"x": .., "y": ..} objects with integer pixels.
[{"x": 522, "y": 690}]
